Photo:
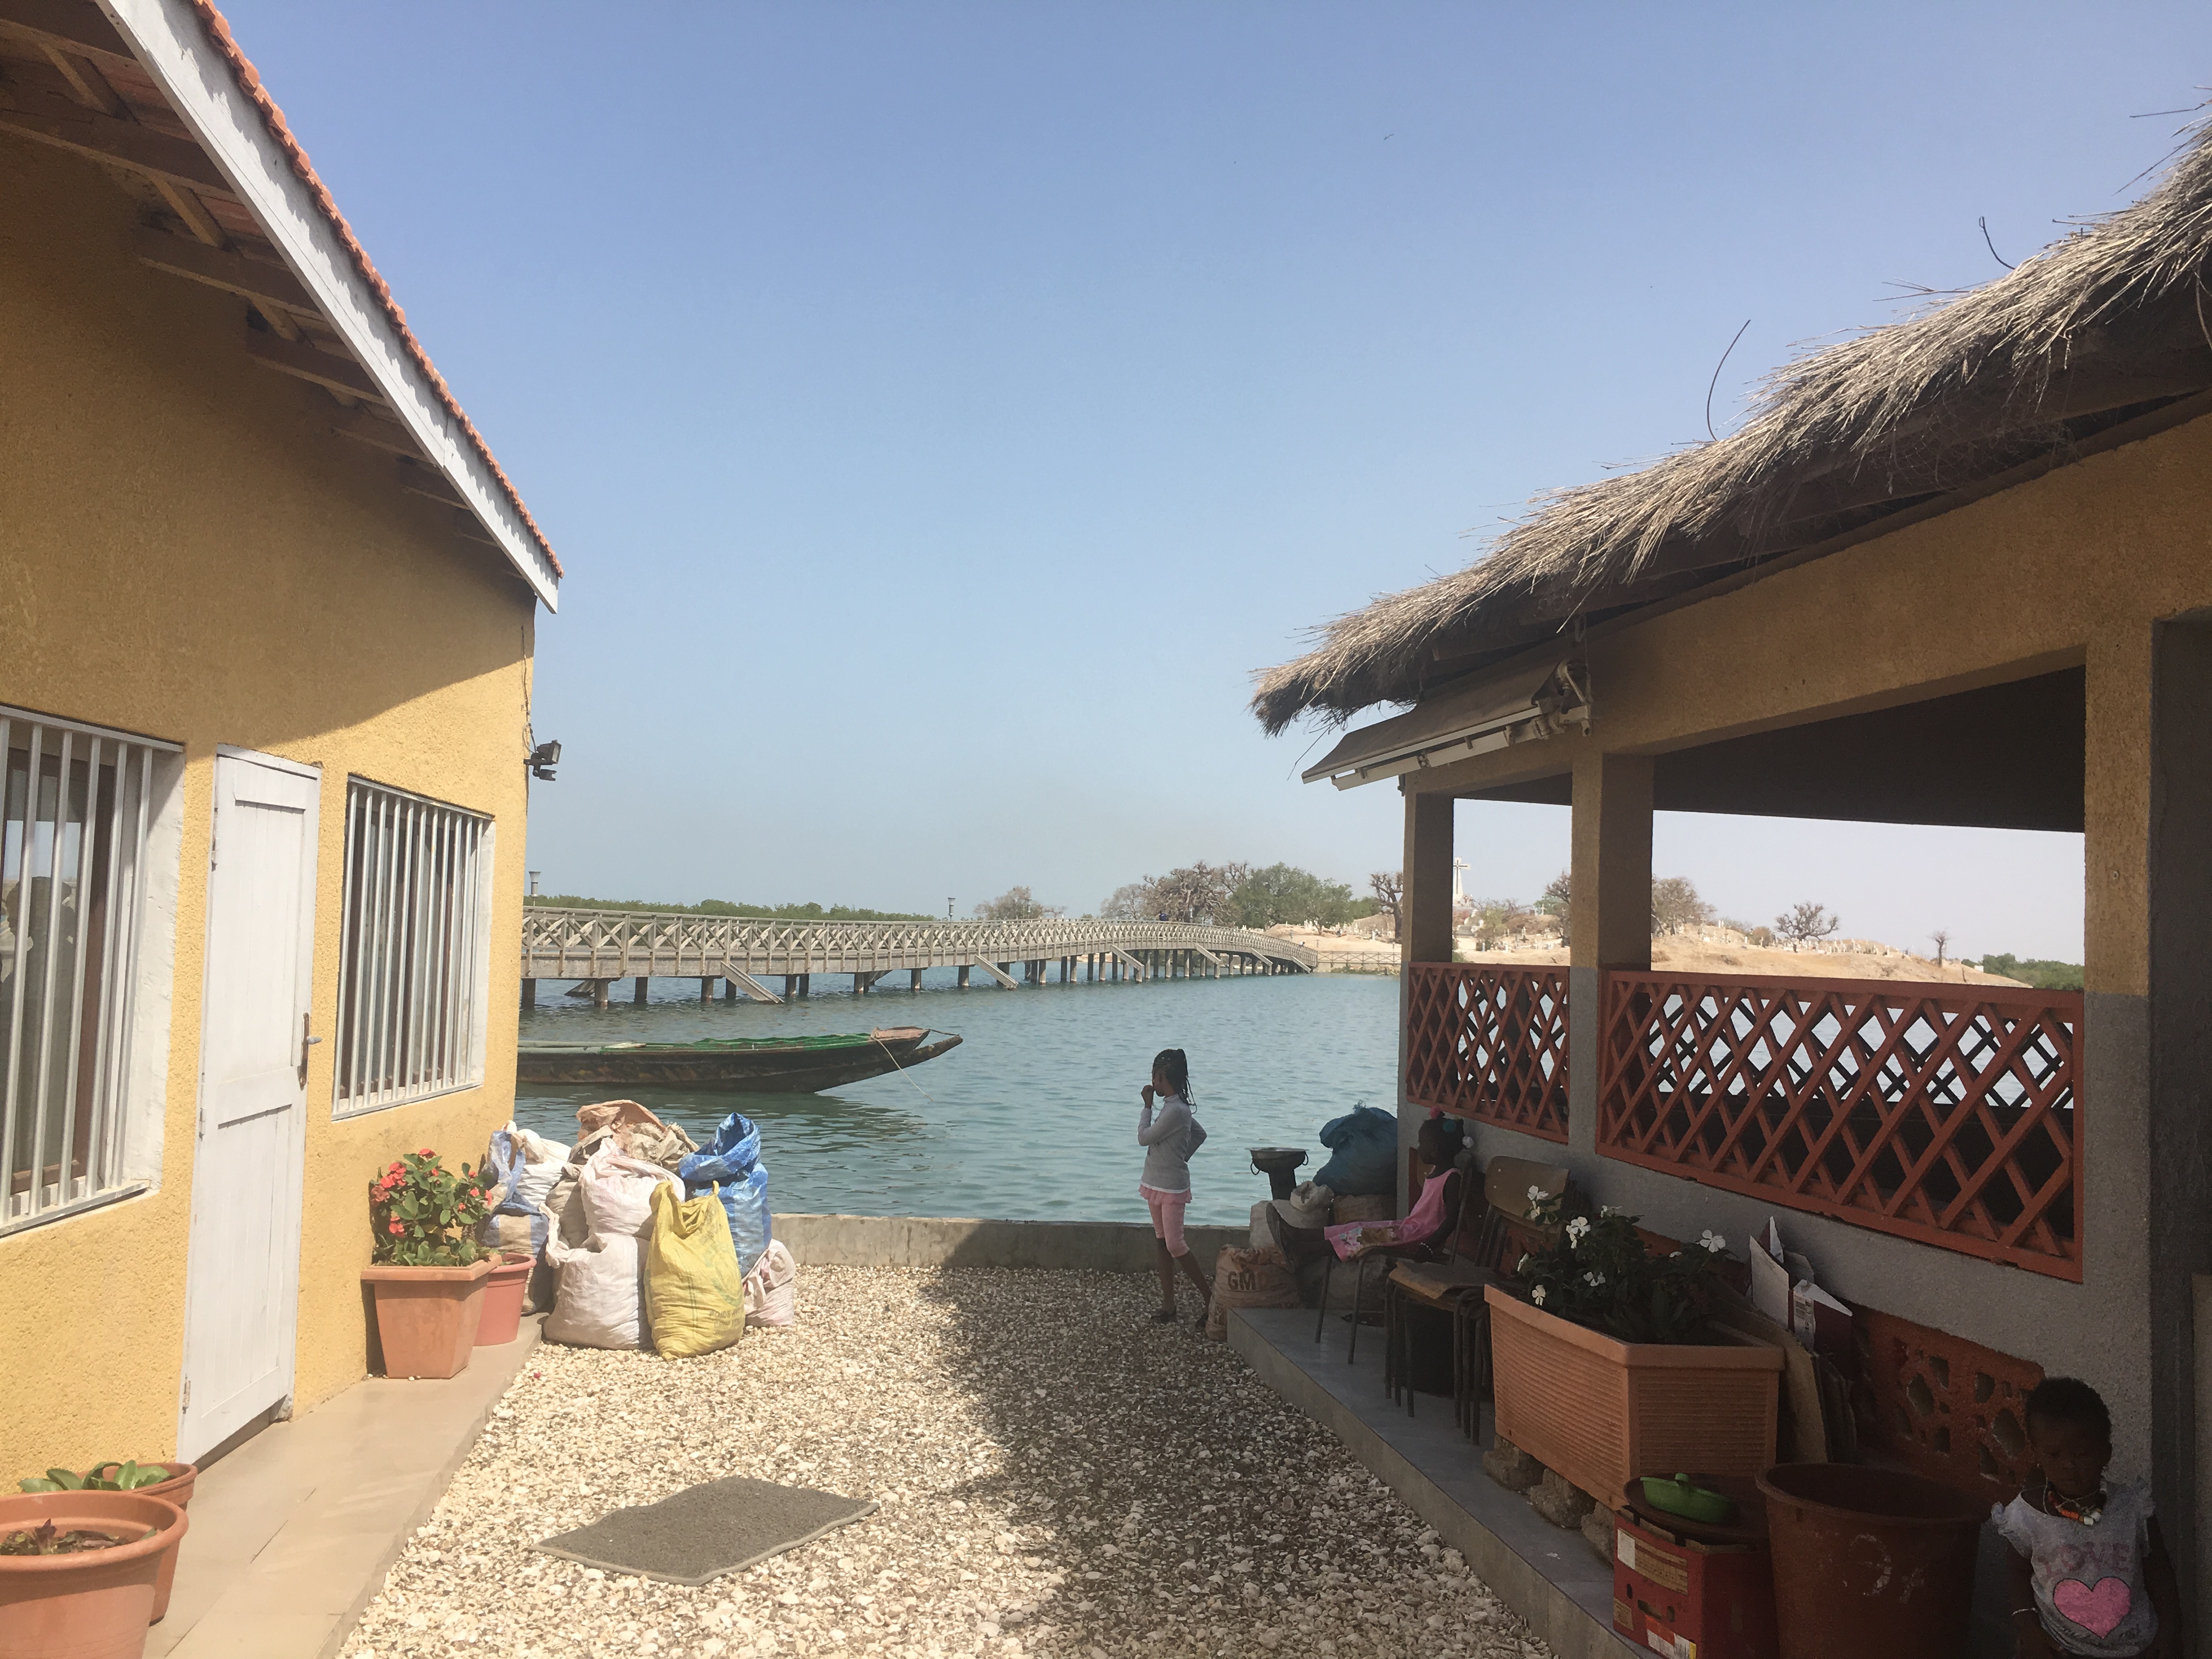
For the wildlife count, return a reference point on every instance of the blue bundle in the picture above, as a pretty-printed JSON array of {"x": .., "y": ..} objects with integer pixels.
[
  {"x": 1365, "y": 1142},
  {"x": 732, "y": 1161},
  {"x": 502, "y": 1167}
]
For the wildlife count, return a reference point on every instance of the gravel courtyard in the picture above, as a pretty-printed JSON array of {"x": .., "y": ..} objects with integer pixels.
[{"x": 1057, "y": 1476}]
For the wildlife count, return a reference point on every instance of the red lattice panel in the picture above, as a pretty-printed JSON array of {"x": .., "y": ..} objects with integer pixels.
[
  {"x": 1944, "y": 1113},
  {"x": 1489, "y": 1043},
  {"x": 1952, "y": 1409}
]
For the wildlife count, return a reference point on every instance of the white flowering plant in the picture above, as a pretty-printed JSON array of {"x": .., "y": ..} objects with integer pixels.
[{"x": 1601, "y": 1274}]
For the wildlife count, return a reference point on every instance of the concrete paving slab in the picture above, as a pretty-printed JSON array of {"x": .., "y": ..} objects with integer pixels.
[
  {"x": 293, "y": 1532},
  {"x": 1550, "y": 1577}
]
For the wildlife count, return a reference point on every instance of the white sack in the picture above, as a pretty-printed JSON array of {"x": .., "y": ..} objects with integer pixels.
[
  {"x": 601, "y": 1299},
  {"x": 617, "y": 1193},
  {"x": 772, "y": 1288}
]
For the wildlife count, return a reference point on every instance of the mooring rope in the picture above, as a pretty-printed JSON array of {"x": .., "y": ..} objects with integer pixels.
[{"x": 927, "y": 1030}]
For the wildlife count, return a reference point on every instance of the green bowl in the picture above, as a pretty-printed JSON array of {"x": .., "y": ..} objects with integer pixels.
[{"x": 1693, "y": 1503}]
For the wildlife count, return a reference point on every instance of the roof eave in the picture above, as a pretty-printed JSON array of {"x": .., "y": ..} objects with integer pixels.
[{"x": 166, "y": 37}]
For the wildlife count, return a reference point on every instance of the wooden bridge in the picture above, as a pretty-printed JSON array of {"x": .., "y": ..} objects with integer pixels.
[{"x": 594, "y": 948}]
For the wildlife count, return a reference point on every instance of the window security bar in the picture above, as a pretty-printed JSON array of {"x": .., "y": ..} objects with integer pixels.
[
  {"x": 75, "y": 803},
  {"x": 415, "y": 949}
]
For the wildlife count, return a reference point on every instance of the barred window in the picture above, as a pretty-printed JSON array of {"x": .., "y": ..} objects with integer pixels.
[
  {"x": 416, "y": 949},
  {"x": 75, "y": 807}
]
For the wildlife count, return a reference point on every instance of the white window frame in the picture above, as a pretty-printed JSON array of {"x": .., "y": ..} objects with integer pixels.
[
  {"x": 123, "y": 1052},
  {"x": 428, "y": 900}
]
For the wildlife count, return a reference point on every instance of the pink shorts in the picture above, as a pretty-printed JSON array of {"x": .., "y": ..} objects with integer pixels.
[{"x": 1167, "y": 1210}]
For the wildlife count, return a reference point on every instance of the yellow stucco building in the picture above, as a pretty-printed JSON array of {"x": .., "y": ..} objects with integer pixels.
[{"x": 267, "y": 605}]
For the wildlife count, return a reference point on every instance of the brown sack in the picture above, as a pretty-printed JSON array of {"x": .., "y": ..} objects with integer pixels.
[
  {"x": 1248, "y": 1279},
  {"x": 607, "y": 1113}
]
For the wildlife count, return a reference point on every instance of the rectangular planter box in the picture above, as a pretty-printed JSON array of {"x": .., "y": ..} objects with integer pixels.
[
  {"x": 1602, "y": 1412},
  {"x": 426, "y": 1317}
]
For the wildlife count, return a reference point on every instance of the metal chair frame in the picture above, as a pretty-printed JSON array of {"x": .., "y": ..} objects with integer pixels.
[{"x": 1455, "y": 1207}]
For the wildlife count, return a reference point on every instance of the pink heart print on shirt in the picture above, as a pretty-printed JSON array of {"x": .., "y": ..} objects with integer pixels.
[{"x": 2098, "y": 1611}]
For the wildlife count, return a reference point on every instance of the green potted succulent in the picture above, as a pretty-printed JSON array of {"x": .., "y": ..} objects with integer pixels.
[
  {"x": 78, "y": 1568},
  {"x": 172, "y": 1481},
  {"x": 427, "y": 1270},
  {"x": 1605, "y": 1368}
]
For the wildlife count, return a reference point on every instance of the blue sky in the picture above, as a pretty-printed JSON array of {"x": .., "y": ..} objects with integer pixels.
[{"x": 943, "y": 408}]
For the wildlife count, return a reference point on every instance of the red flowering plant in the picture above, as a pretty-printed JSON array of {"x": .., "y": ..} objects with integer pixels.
[{"x": 421, "y": 1215}]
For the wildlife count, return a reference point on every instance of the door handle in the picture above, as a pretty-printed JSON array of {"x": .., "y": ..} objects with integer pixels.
[{"x": 306, "y": 1043}]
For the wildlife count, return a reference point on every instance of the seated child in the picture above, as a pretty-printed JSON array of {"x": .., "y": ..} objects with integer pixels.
[{"x": 2090, "y": 1575}]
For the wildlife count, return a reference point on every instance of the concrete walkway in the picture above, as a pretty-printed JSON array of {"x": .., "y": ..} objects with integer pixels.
[
  {"x": 292, "y": 1533},
  {"x": 1550, "y": 1576}
]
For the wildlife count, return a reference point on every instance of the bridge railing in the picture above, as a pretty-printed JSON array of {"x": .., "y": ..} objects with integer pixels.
[{"x": 614, "y": 944}]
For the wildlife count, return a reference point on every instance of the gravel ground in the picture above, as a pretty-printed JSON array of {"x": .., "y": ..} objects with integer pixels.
[{"x": 1057, "y": 1476}]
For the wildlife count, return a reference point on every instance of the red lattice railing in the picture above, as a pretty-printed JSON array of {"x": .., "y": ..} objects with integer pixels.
[
  {"x": 1945, "y": 1113},
  {"x": 1489, "y": 1043}
]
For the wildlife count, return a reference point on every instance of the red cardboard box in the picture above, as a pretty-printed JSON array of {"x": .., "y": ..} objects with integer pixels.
[{"x": 1691, "y": 1600}]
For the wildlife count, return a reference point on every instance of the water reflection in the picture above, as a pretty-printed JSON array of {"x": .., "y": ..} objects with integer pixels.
[{"x": 1033, "y": 1114}]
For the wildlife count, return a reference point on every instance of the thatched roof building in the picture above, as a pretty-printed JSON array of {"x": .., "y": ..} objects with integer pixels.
[{"x": 2098, "y": 339}]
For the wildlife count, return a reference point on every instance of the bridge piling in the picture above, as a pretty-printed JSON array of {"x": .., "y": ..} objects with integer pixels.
[
  {"x": 638, "y": 994},
  {"x": 600, "y": 993},
  {"x": 530, "y": 993},
  {"x": 913, "y": 979},
  {"x": 963, "y": 979}
]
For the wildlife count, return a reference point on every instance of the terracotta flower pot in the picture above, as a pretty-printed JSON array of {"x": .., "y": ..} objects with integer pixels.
[
  {"x": 502, "y": 1303},
  {"x": 92, "y": 1606},
  {"x": 178, "y": 1489},
  {"x": 1602, "y": 1412},
  {"x": 426, "y": 1317}
]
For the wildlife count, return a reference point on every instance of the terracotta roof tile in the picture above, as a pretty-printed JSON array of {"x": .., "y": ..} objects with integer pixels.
[{"x": 249, "y": 83}]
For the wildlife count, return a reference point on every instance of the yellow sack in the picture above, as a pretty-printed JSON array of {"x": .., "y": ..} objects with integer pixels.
[{"x": 695, "y": 1295}]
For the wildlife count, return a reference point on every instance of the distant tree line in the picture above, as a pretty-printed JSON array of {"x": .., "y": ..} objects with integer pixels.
[
  {"x": 1236, "y": 895},
  {"x": 2044, "y": 974},
  {"x": 723, "y": 908}
]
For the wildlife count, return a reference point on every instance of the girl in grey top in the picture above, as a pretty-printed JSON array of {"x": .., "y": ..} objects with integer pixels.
[
  {"x": 2090, "y": 1575},
  {"x": 1169, "y": 1140}
]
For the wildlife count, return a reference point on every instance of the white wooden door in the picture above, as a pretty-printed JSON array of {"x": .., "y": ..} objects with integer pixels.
[{"x": 242, "y": 1285}]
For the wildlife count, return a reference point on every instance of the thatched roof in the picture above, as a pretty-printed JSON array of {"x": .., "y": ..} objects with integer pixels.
[{"x": 2108, "y": 325}]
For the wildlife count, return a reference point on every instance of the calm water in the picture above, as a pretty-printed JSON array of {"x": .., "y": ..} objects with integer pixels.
[{"x": 1034, "y": 1116}]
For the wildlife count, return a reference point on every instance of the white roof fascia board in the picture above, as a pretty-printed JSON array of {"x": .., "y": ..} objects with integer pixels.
[
  {"x": 167, "y": 37},
  {"x": 1475, "y": 721}
]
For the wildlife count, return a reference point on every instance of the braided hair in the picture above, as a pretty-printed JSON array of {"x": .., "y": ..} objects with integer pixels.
[{"x": 1175, "y": 1067}]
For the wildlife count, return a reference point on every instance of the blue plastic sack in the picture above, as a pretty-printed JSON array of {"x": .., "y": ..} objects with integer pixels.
[
  {"x": 732, "y": 1161},
  {"x": 502, "y": 1167},
  {"x": 1365, "y": 1143}
]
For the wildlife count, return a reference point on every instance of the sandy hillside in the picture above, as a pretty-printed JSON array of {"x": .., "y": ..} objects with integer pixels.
[{"x": 1710, "y": 950}]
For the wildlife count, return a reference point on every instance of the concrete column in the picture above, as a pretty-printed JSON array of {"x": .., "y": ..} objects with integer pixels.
[
  {"x": 913, "y": 979},
  {"x": 530, "y": 993},
  {"x": 1609, "y": 916},
  {"x": 600, "y": 993},
  {"x": 729, "y": 990},
  {"x": 963, "y": 979},
  {"x": 860, "y": 985},
  {"x": 2175, "y": 1143},
  {"x": 638, "y": 995},
  {"x": 790, "y": 986},
  {"x": 1423, "y": 930},
  {"x": 706, "y": 988},
  {"x": 1424, "y": 903},
  {"x": 806, "y": 985}
]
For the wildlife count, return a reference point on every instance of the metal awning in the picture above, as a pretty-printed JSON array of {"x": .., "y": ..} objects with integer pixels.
[{"x": 1523, "y": 707}]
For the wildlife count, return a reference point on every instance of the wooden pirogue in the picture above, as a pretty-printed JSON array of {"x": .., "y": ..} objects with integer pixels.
[{"x": 756, "y": 1064}]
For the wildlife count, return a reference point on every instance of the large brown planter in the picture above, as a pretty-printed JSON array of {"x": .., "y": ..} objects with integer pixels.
[
  {"x": 178, "y": 1490},
  {"x": 1602, "y": 1412},
  {"x": 427, "y": 1317},
  {"x": 94, "y": 1605},
  {"x": 502, "y": 1322}
]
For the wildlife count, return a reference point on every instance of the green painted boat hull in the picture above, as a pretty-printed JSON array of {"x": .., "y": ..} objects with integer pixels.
[{"x": 741, "y": 1065}]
